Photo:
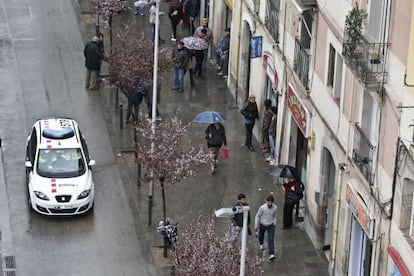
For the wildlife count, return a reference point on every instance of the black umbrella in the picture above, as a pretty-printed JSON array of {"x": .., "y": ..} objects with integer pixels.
[{"x": 285, "y": 171}]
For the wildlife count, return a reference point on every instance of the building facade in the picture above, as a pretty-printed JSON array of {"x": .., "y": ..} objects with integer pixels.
[{"x": 342, "y": 75}]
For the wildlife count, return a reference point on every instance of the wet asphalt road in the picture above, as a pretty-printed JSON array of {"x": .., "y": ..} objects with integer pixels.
[{"x": 42, "y": 73}]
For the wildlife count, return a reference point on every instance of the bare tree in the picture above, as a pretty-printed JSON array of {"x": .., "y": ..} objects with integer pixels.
[
  {"x": 108, "y": 9},
  {"x": 203, "y": 250},
  {"x": 133, "y": 58}
]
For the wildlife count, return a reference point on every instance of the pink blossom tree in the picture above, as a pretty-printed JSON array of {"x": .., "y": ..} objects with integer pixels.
[
  {"x": 133, "y": 58},
  {"x": 168, "y": 157},
  {"x": 204, "y": 250},
  {"x": 107, "y": 9},
  {"x": 170, "y": 161}
]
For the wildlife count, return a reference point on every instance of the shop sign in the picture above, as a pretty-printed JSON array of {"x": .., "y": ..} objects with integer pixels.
[
  {"x": 229, "y": 3},
  {"x": 256, "y": 46},
  {"x": 358, "y": 210},
  {"x": 269, "y": 66},
  {"x": 399, "y": 269},
  {"x": 298, "y": 110}
]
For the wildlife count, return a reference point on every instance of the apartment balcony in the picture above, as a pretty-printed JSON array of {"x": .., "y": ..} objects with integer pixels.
[
  {"x": 301, "y": 62},
  {"x": 365, "y": 59},
  {"x": 362, "y": 154}
]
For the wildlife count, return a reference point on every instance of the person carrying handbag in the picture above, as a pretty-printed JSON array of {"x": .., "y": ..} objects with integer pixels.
[{"x": 216, "y": 137}]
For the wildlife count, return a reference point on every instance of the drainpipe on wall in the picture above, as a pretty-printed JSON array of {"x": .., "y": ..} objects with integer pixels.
[
  {"x": 340, "y": 183},
  {"x": 236, "y": 92},
  {"x": 282, "y": 109}
]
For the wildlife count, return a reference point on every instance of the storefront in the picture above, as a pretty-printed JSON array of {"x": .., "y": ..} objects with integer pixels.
[
  {"x": 272, "y": 80},
  {"x": 299, "y": 130},
  {"x": 360, "y": 247},
  {"x": 399, "y": 268}
]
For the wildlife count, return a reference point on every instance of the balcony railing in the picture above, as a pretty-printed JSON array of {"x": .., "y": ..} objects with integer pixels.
[
  {"x": 362, "y": 154},
  {"x": 365, "y": 59},
  {"x": 272, "y": 20},
  {"x": 301, "y": 61}
]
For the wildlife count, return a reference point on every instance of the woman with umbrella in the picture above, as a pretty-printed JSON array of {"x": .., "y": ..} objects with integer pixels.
[{"x": 216, "y": 137}]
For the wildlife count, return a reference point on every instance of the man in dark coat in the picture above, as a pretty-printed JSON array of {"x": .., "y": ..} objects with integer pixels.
[
  {"x": 93, "y": 57},
  {"x": 180, "y": 57}
]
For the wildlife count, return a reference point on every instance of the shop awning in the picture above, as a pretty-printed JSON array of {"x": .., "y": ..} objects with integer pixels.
[
  {"x": 229, "y": 3},
  {"x": 399, "y": 263}
]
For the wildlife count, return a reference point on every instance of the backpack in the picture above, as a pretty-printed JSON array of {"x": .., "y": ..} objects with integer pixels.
[{"x": 135, "y": 97}]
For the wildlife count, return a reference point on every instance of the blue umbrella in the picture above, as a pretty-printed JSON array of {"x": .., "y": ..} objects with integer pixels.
[{"x": 209, "y": 117}]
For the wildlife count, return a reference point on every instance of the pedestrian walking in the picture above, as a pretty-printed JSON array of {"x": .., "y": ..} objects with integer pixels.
[
  {"x": 209, "y": 37},
  {"x": 140, "y": 7},
  {"x": 93, "y": 58},
  {"x": 216, "y": 137},
  {"x": 292, "y": 195},
  {"x": 265, "y": 220},
  {"x": 272, "y": 136},
  {"x": 175, "y": 13},
  {"x": 180, "y": 57},
  {"x": 222, "y": 54},
  {"x": 267, "y": 119},
  {"x": 250, "y": 113},
  {"x": 152, "y": 18},
  {"x": 190, "y": 67},
  {"x": 190, "y": 8},
  {"x": 199, "y": 55},
  {"x": 135, "y": 97},
  {"x": 148, "y": 92},
  {"x": 237, "y": 218}
]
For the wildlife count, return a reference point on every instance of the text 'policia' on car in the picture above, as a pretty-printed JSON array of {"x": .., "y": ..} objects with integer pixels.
[{"x": 58, "y": 168}]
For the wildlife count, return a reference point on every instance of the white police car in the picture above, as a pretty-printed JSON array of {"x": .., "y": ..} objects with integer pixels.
[{"x": 58, "y": 168}]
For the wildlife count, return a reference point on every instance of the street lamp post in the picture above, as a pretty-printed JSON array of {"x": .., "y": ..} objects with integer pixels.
[
  {"x": 154, "y": 103},
  {"x": 228, "y": 212}
]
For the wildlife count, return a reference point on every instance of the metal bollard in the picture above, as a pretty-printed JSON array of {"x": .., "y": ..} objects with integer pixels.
[
  {"x": 116, "y": 98},
  {"x": 121, "y": 125}
]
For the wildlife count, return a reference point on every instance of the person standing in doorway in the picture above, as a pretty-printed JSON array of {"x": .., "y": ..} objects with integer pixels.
[
  {"x": 93, "y": 58},
  {"x": 267, "y": 119},
  {"x": 272, "y": 136},
  {"x": 265, "y": 220},
  {"x": 250, "y": 113}
]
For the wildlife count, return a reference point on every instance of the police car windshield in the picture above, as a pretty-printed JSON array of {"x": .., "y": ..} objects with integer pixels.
[{"x": 60, "y": 163}]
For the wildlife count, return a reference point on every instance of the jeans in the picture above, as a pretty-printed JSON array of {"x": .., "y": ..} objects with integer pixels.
[
  {"x": 140, "y": 10},
  {"x": 249, "y": 133},
  {"x": 132, "y": 111},
  {"x": 179, "y": 78},
  {"x": 270, "y": 236},
  {"x": 272, "y": 141}
]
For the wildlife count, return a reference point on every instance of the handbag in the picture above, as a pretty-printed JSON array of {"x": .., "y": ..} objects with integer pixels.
[{"x": 224, "y": 153}]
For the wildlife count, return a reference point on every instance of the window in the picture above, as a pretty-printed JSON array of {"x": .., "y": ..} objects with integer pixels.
[
  {"x": 406, "y": 213},
  {"x": 334, "y": 78},
  {"x": 331, "y": 66}
]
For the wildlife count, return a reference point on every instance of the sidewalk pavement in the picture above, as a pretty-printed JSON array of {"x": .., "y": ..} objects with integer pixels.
[{"x": 198, "y": 196}]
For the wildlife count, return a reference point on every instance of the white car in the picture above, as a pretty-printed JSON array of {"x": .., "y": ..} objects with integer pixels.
[{"x": 58, "y": 168}]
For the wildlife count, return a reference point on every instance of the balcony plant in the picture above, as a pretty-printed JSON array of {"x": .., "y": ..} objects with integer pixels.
[{"x": 353, "y": 28}]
